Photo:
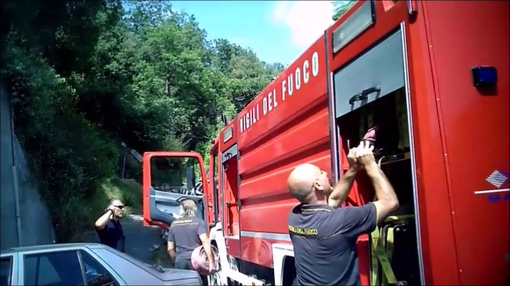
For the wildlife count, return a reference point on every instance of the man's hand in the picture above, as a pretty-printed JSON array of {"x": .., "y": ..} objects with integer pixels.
[
  {"x": 339, "y": 193},
  {"x": 365, "y": 154},
  {"x": 170, "y": 248},
  {"x": 351, "y": 158},
  {"x": 212, "y": 266},
  {"x": 103, "y": 220},
  {"x": 387, "y": 200}
]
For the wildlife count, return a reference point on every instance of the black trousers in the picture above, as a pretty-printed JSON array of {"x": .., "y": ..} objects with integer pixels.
[{"x": 186, "y": 264}]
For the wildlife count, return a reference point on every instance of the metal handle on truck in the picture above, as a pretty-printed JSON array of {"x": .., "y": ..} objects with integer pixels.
[
  {"x": 227, "y": 218},
  {"x": 364, "y": 94}
]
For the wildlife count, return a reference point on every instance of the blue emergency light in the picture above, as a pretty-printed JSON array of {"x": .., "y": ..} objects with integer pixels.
[{"x": 484, "y": 76}]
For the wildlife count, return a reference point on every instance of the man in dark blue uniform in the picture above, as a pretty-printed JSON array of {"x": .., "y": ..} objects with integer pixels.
[
  {"x": 324, "y": 238},
  {"x": 108, "y": 226},
  {"x": 185, "y": 234}
]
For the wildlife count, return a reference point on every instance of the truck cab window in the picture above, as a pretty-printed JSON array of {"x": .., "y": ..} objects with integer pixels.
[{"x": 176, "y": 175}]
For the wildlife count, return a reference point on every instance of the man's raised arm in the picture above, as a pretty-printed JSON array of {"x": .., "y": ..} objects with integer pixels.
[
  {"x": 387, "y": 200},
  {"x": 341, "y": 190},
  {"x": 202, "y": 234}
]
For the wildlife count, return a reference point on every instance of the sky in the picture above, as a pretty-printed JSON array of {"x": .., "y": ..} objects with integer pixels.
[{"x": 277, "y": 31}]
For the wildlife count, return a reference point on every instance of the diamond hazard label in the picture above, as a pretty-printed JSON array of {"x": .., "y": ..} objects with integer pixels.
[{"x": 497, "y": 178}]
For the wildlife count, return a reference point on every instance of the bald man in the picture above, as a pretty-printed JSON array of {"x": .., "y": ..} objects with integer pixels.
[{"x": 324, "y": 236}]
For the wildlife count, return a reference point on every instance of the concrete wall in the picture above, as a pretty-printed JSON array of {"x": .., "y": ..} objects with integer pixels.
[{"x": 25, "y": 218}]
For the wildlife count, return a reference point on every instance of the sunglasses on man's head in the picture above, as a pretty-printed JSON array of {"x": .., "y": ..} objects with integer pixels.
[{"x": 120, "y": 207}]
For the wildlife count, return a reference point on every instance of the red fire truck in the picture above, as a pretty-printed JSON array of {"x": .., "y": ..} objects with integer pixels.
[{"x": 436, "y": 73}]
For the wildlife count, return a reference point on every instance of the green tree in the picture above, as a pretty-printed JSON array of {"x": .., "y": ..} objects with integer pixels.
[
  {"x": 247, "y": 74},
  {"x": 86, "y": 76},
  {"x": 340, "y": 7},
  {"x": 47, "y": 47}
]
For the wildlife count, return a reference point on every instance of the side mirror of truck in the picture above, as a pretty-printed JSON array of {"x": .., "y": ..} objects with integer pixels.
[{"x": 162, "y": 187}]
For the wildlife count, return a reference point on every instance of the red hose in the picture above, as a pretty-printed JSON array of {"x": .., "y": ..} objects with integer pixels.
[{"x": 199, "y": 259}]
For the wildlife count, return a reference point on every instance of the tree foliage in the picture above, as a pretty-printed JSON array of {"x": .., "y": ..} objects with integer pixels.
[
  {"x": 340, "y": 7},
  {"x": 85, "y": 76}
]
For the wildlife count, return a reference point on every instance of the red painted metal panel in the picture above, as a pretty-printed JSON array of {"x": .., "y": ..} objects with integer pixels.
[
  {"x": 233, "y": 247},
  {"x": 291, "y": 141},
  {"x": 438, "y": 245},
  {"x": 272, "y": 142},
  {"x": 275, "y": 105},
  {"x": 475, "y": 130},
  {"x": 387, "y": 21},
  {"x": 147, "y": 179},
  {"x": 450, "y": 120},
  {"x": 208, "y": 196},
  {"x": 266, "y": 198},
  {"x": 258, "y": 250}
]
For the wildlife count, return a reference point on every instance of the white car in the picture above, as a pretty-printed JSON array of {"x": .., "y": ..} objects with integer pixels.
[{"x": 90, "y": 264}]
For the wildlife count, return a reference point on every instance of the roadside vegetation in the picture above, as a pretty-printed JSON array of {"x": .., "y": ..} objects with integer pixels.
[
  {"x": 340, "y": 7},
  {"x": 85, "y": 77}
]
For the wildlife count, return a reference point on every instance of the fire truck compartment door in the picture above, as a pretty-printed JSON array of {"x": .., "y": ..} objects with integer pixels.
[
  {"x": 374, "y": 74},
  {"x": 231, "y": 152}
]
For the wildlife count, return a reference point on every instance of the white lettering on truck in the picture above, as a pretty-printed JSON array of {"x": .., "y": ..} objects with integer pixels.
[{"x": 294, "y": 81}]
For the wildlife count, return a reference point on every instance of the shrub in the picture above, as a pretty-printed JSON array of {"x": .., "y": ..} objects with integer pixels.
[{"x": 68, "y": 154}]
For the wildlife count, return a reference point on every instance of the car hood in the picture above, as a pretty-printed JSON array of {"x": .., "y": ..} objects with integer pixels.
[
  {"x": 181, "y": 277},
  {"x": 173, "y": 276}
]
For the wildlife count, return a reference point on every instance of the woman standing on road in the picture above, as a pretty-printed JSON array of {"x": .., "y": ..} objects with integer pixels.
[
  {"x": 108, "y": 226},
  {"x": 185, "y": 234}
]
